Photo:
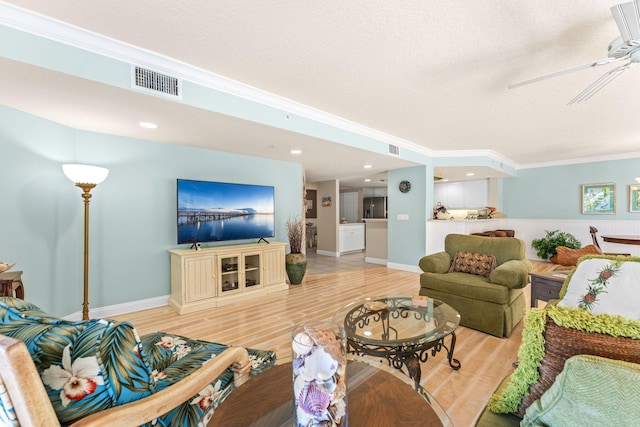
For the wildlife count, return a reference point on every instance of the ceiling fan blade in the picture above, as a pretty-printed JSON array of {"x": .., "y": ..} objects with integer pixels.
[
  {"x": 567, "y": 71},
  {"x": 604, "y": 80},
  {"x": 627, "y": 17}
]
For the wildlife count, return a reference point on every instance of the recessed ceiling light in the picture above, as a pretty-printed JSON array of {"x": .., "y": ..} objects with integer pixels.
[
  {"x": 470, "y": 173},
  {"x": 368, "y": 166},
  {"x": 296, "y": 151},
  {"x": 367, "y": 180},
  {"x": 148, "y": 125}
]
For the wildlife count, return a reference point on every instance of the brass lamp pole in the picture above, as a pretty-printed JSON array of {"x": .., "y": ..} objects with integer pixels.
[{"x": 86, "y": 177}]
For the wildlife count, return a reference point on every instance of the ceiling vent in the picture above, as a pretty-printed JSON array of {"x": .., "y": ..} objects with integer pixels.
[
  {"x": 155, "y": 82},
  {"x": 394, "y": 149}
]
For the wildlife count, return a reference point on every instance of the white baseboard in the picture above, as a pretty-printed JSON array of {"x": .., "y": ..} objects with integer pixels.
[
  {"x": 116, "y": 309},
  {"x": 375, "y": 260},
  {"x": 404, "y": 267},
  {"x": 327, "y": 253}
]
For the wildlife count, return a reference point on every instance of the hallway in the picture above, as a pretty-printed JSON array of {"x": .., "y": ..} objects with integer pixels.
[{"x": 319, "y": 264}]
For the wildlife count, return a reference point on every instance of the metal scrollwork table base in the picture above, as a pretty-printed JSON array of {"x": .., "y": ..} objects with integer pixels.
[{"x": 390, "y": 327}]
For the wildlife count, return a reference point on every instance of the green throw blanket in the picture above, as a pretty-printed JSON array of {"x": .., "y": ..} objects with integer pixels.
[
  {"x": 532, "y": 350},
  {"x": 590, "y": 391}
]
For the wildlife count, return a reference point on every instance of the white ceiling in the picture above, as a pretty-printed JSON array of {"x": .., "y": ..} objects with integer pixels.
[{"x": 431, "y": 73}]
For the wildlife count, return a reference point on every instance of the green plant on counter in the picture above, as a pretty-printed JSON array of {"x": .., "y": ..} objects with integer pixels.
[{"x": 546, "y": 246}]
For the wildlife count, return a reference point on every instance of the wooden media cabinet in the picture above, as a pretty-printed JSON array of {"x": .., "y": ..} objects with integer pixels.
[{"x": 221, "y": 275}]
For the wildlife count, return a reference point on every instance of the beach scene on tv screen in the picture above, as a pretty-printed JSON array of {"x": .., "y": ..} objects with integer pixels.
[{"x": 217, "y": 211}]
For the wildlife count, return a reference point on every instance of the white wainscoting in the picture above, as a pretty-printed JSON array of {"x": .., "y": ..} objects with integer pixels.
[{"x": 530, "y": 229}]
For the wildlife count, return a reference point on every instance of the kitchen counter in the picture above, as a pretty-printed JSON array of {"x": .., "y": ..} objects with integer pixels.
[{"x": 464, "y": 220}]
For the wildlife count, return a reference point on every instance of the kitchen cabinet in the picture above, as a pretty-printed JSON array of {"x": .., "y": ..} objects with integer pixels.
[
  {"x": 351, "y": 237},
  {"x": 476, "y": 193},
  {"x": 462, "y": 194},
  {"x": 349, "y": 206},
  {"x": 374, "y": 192}
]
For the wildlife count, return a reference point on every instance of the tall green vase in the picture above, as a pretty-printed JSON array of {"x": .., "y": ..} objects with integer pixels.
[{"x": 296, "y": 266}]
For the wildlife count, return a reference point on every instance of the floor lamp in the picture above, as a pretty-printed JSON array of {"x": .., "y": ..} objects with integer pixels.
[{"x": 86, "y": 177}]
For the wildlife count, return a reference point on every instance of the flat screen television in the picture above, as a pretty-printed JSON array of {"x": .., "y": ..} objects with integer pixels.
[{"x": 217, "y": 211}]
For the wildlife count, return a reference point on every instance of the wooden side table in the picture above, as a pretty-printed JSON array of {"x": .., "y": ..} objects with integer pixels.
[
  {"x": 546, "y": 286},
  {"x": 11, "y": 284}
]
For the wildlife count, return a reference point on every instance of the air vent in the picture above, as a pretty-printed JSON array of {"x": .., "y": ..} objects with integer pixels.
[
  {"x": 155, "y": 82},
  {"x": 394, "y": 149}
]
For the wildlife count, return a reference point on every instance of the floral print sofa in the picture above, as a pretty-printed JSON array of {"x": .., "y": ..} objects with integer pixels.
[{"x": 92, "y": 365}]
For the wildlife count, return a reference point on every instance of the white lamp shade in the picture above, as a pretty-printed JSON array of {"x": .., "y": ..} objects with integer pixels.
[
  {"x": 85, "y": 174},
  {"x": 638, "y": 179}
]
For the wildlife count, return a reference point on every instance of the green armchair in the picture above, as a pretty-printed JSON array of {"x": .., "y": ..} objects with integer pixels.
[{"x": 490, "y": 300}]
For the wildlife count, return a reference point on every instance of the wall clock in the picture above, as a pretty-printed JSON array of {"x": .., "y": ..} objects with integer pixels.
[{"x": 404, "y": 186}]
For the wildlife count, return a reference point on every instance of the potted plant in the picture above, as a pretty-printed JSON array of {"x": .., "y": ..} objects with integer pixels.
[
  {"x": 546, "y": 246},
  {"x": 295, "y": 261}
]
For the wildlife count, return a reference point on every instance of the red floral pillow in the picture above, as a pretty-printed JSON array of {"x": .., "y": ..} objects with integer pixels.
[{"x": 473, "y": 263}]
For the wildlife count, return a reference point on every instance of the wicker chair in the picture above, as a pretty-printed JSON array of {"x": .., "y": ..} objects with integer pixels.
[
  {"x": 33, "y": 408},
  {"x": 553, "y": 335},
  {"x": 99, "y": 372}
]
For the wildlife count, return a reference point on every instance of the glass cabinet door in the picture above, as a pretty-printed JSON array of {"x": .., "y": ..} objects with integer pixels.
[
  {"x": 229, "y": 274},
  {"x": 252, "y": 270}
]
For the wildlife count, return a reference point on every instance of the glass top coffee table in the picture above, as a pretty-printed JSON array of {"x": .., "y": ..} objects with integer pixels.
[{"x": 391, "y": 327}]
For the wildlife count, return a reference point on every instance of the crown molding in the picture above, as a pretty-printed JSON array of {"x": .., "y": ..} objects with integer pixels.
[
  {"x": 52, "y": 29},
  {"x": 57, "y": 31},
  {"x": 581, "y": 160}
]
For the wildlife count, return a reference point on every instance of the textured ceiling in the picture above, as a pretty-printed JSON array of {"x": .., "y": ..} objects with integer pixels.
[{"x": 432, "y": 73}]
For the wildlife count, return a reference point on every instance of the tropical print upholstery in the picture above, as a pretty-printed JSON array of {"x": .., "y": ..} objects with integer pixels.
[{"x": 91, "y": 365}]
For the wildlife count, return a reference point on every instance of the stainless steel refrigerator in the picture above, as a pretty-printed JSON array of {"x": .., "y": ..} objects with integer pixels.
[{"x": 374, "y": 207}]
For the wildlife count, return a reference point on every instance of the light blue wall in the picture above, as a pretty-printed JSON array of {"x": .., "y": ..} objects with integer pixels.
[
  {"x": 132, "y": 214},
  {"x": 554, "y": 192},
  {"x": 406, "y": 239}
]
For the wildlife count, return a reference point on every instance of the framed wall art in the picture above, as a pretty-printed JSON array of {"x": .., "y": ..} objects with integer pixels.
[
  {"x": 598, "y": 198},
  {"x": 634, "y": 198}
]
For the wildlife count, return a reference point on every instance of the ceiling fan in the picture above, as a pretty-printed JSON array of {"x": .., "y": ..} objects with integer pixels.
[{"x": 627, "y": 46}]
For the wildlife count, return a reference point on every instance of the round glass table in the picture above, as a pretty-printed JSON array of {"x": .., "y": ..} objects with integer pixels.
[{"x": 393, "y": 328}]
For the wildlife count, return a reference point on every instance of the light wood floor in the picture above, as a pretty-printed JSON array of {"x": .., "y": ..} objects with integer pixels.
[{"x": 266, "y": 324}]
